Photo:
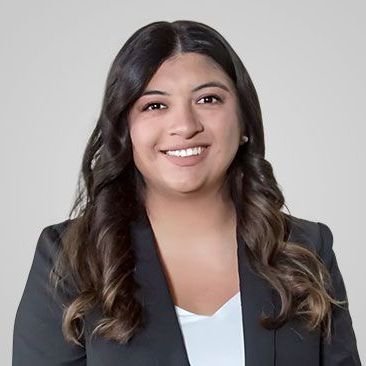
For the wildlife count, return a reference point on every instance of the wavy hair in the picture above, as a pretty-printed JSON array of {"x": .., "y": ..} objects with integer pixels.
[{"x": 96, "y": 258}]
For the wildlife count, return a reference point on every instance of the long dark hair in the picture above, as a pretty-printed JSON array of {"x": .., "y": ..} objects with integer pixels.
[{"x": 96, "y": 258}]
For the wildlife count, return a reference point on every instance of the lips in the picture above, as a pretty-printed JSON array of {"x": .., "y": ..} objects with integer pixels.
[
  {"x": 187, "y": 161},
  {"x": 180, "y": 147}
]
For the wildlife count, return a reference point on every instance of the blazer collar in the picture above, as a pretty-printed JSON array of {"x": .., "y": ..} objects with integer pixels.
[{"x": 163, "y": 332}]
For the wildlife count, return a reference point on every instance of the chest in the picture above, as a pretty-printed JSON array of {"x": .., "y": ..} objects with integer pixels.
[{"x": 201, "y": 284}]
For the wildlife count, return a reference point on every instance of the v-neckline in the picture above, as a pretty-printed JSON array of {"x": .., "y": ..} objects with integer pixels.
[
  {"x": 163, "y": 332},
  {"x": 224, "y": 306}
]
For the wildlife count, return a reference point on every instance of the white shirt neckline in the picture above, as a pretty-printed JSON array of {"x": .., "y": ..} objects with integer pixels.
[{"x": 183, "y": 312}]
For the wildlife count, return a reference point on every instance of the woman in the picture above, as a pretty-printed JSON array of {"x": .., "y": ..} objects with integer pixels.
[{"x": 176, "y": 251}]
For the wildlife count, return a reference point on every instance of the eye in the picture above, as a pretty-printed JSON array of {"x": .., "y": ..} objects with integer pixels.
[
  {"x": 147, "y": 106},
  {"x": 209, "y": 97}
]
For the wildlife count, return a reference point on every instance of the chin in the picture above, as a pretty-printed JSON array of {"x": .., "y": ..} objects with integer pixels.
[{"x": 184, "y": 188}]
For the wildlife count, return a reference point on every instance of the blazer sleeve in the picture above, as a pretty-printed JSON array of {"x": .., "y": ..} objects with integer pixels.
[
  {"x": 342, "y": 348},
  {"x": 37, "y": 334}
]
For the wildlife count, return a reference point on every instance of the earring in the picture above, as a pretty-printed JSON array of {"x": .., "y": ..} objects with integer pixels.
[{"x": 244, "y": 139}]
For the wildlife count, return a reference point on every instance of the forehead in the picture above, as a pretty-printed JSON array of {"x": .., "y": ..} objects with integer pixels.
[{"x": 188, "y": 68}]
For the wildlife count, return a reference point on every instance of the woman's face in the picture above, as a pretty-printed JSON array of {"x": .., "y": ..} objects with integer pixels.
[{"x": 176, "y": 112}]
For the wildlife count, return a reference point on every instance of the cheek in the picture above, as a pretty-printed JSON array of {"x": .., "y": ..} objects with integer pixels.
[
  {"x": 144, "y": 140},
  {"x": 228, "y": 133},
  {"x": 141, "y": 136}
]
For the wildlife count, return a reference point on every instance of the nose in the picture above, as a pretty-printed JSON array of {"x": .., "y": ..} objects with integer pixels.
[{"x": 184, "y": 121}]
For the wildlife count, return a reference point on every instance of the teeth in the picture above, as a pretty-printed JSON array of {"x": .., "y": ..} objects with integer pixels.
[{"x": 187, "y": 152}]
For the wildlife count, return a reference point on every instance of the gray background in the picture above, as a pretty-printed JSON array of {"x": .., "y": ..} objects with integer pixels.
[{"x": 306, "y": 59}]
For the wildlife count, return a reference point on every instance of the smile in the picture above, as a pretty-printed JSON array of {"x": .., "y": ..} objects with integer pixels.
[
  {"x": 187, "y": 152},
  {"x": 188, "y": 157}
]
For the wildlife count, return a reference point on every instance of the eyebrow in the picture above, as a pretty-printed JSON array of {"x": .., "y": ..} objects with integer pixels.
[{"x": 202, "y": 86}]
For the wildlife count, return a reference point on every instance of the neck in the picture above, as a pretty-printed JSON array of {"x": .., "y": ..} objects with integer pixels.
[{"x": 193, "y": 221}]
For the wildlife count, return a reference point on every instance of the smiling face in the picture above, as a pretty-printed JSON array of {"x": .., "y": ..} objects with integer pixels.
[{"x": 177, "y": 111}]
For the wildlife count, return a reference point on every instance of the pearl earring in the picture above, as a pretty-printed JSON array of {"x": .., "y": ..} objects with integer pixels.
[{"x": 244, "y": 139}]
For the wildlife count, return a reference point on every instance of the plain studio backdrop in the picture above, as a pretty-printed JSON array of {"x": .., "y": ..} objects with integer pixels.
[{"x": 306, "y": 59}]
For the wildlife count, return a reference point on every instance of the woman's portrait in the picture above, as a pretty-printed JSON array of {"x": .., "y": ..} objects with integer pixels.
[{"x": 179, "y": 248}]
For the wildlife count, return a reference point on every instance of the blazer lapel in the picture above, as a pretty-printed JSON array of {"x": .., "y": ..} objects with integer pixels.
[
  {"x": 163, "y": 331},
  {"x": 256, "y": 298}
]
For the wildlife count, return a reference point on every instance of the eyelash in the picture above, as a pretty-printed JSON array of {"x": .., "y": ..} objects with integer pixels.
[{"x": 219, "y": 100}]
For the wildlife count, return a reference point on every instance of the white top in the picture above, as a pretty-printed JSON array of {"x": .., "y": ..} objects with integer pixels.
[{"x": 214, "y": 340}]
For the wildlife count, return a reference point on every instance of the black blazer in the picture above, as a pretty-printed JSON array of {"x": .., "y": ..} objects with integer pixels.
[{"x": 38, "y": 339}]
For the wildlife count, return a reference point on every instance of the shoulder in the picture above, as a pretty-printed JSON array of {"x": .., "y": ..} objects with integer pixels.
[
  {"x": 44, "y": 259},
  {"x": 38, "y": 321},
  {"x": 49, "y": 238},
  {"x": 52, "y": 234},
  {"x": 317, "y": 236},
  {"x": 57, "y": 229},
  {"x": 48, "y": 246}
]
